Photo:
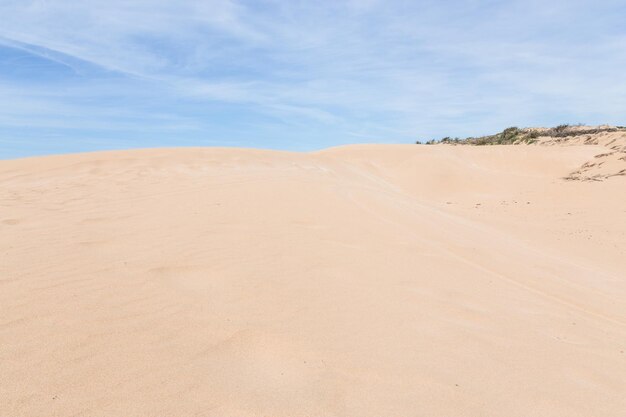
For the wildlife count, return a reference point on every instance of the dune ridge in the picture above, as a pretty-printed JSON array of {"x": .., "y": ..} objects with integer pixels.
[
  {"x": 365, "y": 280},
  {"x": 605, "y": 165}
]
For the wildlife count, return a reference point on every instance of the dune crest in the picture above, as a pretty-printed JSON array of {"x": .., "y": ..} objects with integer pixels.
[
  {"x": 605, "y": 165},
  {"x": 371, "y": 280}
]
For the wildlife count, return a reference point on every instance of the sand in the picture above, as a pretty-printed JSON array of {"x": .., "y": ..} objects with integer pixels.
[{"x": 373, "y": 280}]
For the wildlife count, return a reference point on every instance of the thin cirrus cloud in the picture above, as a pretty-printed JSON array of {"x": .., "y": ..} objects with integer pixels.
[{"x": 300, "y": 75}]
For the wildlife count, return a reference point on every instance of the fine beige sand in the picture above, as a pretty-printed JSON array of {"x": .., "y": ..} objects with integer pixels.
[{"x": 374, "y": 280}]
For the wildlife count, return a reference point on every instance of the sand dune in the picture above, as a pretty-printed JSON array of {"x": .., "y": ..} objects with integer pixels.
[{"x": 372, "y": 280}]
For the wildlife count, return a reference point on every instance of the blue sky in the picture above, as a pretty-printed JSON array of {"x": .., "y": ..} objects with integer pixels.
[{"x": 300, "y": 75}]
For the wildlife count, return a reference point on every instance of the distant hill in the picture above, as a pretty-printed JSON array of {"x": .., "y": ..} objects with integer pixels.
[{"x": 606, "y": 164}]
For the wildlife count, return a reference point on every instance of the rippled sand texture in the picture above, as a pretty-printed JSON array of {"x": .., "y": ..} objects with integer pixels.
[{"x": 360, "y": 281}]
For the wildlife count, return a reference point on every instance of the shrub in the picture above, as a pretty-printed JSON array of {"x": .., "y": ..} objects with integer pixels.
[
  {"x": 513, "y": 135},
  {"x": 510, "y": 132},
  {"x": 561, "y": 128}
]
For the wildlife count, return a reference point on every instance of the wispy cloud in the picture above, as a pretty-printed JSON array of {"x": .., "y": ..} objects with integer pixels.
[{"x": 302, "y": 75}]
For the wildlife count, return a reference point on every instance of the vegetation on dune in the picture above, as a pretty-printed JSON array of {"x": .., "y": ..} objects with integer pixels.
[{"x": 515, "y": 135}]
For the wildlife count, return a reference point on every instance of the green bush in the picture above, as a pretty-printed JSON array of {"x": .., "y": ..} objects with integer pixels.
[{"x": 513, "y": 135}]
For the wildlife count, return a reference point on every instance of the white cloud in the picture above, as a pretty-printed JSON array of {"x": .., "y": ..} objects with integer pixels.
[{"x": 394, "y": 68}]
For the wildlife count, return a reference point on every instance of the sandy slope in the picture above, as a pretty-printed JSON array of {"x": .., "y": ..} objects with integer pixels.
[{"x": 356, "y": 281}]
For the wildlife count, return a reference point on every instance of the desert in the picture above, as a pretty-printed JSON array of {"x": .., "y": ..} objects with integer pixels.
[{"x": 361, "y": 280}]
